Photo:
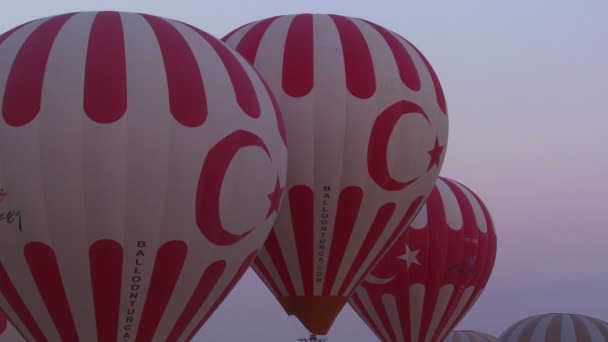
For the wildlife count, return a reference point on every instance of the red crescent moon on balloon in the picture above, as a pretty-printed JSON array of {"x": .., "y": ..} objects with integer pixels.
[
  {"x": 210, "y": 182},
  {"x": 384, "y": 125}
]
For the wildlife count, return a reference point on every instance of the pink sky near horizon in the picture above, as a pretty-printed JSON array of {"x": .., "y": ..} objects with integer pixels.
[{"x": 526, "y": 88}]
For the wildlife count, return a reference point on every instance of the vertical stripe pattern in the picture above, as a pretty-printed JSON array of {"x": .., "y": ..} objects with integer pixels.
[
  {"x": 127, "y": 141},
  {"x": 557, "y": 327},
  {"x": 362, "y": 111}
]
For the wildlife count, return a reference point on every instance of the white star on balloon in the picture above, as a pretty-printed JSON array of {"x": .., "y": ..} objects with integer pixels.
[{"x": 410, "y": 256}]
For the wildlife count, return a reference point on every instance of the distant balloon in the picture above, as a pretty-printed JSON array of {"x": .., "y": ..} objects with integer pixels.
[
  {"x": 141, "y": 167},
  {"x": 435, "y": 272},
  {"x": 8, "y": 333},
  {"x": 367, "y": 124},
  {"x": 557, "y": 327},
  {"x": 469, "y": 336}
]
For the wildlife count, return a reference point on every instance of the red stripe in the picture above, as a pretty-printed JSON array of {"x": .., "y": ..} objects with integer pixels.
[
  {"x": 206, "y": 284},
  {"x": 359, "y": 68},
  {"x": 433, "y": 244},
  {"x": 349, "y": 205},
  {"x": 262, "y": 271},
  {"x": 187, "y": 99},
  {"x": 45, "y": 271},
  {"x": 105, "y": 78},
  {"x": 298, "y": 60},
  {"x": 23, "y": 92},
  {"x": 405, "y": 63},
  {"x": 9, "y": 292},
  {"x": 383, "y": 215},
  {"x": 244, "y": 91},
  {"x": 272, "y": 247},
  {"x": 2, "y": 323},
  {"x": 248, "y": 46},
  {"x": 227, "y": 290},
  {"x": 436, "y": 84},
  {"x": 378, "y": 305},
  {"x": 106, "y": 258},
  {"x": 301, "y": 203},
  {"x": 167, "y": 268}
]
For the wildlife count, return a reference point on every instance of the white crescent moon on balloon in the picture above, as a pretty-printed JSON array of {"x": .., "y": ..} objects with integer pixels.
[
  {"x": 384, "y": 125},
  {"x": 372, "y": 279},
  {"x": 210, "y": 182}
]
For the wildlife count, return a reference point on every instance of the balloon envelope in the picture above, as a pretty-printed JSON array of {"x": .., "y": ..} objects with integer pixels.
[
  {"x": 137, "y": 158},
  {"x": 469, "y": 336},
  {"x": 435, "y": 272},
  {"x": 367, "y": 125},
  {"x": 557, "y": 327}
]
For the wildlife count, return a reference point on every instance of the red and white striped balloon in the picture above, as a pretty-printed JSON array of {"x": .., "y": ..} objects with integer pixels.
[
  {"x": 435, "y": 272},
  {"x": 469, "y": 336},
  {"x": 141, "y": 168},
  {"x": 8, "y": 333},
  {"x": 557, "y": 327},
  {"x": 367, "y": 125}
]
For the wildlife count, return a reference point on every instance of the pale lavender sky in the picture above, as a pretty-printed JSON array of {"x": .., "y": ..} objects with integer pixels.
[{"x": 526, "y": 86}]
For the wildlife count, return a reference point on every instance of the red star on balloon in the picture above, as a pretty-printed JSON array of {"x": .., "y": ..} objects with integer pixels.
[
  {"x": 435, "y": 155},
  {"x": 275, "y": 198}
]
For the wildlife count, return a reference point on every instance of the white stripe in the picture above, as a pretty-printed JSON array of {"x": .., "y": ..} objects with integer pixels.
[
  {"x": 392, "y": 310},
  {"x": 238, "y": 35},
  {"x": 519, "y": 328},
  {"x": 266, "y": 259},
  {"x": 331, "y": 133},
  {"x": 480, "y": 218},
  {"x": 284, "y": 232},
  {"x": 146, "y": 116},
  {"x": 416, "y": 293},
  {"x": 458, "y": 310},
  {"x": 568, "y": 333},
  {"x": 368, "y": 308},
  {"x": 269, "y": 58},
  {"x": 445, "y": 293},
  {"x": 540, "y": 329},
  {"x": 594, "y": 332},
  {"x": 453, "y": 212},
  {"x": 63, "y": 169}
]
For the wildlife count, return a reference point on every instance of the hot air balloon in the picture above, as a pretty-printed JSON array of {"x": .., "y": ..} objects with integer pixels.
[
  {"x": 469, "y": 336},
  {"x": 367, "y": 124},
  {"x": 8, "y": 333},
  {"x": 142, "y": 163},
  {"x": 435, "y": 272},
  {"x": 557, "y": 327}
]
